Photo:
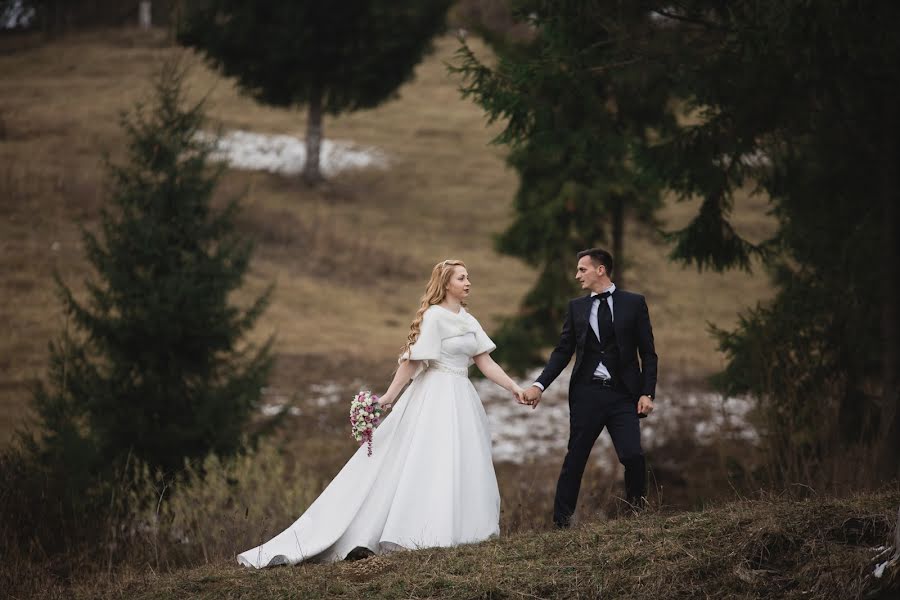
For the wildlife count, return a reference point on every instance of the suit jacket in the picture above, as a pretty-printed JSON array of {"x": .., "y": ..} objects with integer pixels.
[{"x": 634, "y": 337}]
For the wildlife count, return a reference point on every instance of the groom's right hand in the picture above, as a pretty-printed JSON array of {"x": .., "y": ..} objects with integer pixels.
[{"x": 533, "y": 396}]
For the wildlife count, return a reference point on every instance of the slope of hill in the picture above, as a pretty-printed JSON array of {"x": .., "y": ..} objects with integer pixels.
[{"x": 774, "y": 548}]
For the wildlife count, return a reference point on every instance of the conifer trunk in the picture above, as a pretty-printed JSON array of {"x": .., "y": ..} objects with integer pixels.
[
  {"x": 312, "y": 174},
  {"x": 618, "y": 240}
]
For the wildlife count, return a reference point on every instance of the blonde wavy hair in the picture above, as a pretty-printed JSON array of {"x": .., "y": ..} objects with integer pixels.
[{"x": 435, "y": 292}]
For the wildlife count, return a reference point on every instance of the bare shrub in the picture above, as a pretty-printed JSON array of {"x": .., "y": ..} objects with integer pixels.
[
  {"x": 213, "y": 510},
  {"x": 210, "y": 512},
  {"x": 825, "y": 442}
]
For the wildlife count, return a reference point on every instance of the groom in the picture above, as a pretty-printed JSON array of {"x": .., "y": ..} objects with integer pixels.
[{"x": 606, "y": 330}]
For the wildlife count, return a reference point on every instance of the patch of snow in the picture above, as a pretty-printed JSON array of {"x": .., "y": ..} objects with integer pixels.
[
  {"x": 756, "y": 159},
  {"x": 326, "y": 394},
  {"x": 286, "y": 154},
  {"x": 277, "y": 401},
  {"x": 16, "y": 14},
  {"x": 270, "y": 410},
  {"x": 520, "y": 433}
]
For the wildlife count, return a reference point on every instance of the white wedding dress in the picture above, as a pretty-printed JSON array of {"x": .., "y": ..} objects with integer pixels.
[{"x": 430, "y": 480}]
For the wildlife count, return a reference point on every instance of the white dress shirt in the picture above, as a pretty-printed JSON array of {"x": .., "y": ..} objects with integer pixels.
[{"x": 601, "y": 371}]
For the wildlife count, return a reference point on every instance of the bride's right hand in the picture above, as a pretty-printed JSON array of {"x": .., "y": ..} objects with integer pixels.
[{"x": 386, "y": 403}]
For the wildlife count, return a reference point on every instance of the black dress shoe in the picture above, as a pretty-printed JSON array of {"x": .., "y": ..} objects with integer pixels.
[{"x": 359, "y": 553}]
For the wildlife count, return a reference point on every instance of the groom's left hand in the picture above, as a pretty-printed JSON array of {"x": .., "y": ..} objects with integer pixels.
[{"x": 645, "y": 405}]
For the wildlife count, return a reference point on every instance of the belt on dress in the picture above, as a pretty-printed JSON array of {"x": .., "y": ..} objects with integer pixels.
[{"x": 462, "y": 372}]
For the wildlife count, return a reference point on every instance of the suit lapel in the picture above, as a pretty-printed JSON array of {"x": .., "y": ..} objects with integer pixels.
[
  {"x": 618, "y": 316},
  {"x": 585, "y": 319}
]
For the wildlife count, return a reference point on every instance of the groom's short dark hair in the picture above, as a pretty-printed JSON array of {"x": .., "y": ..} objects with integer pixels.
[{"x": 599, "y": 256}]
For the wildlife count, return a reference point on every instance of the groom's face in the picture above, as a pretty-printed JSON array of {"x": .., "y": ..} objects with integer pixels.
[{"x": 587, "y": 274}]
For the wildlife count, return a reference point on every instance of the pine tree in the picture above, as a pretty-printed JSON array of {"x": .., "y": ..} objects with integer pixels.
[
  {"x": 576, "y": 139},
  {"x": 796, "y": 99},
  {"x": 332, "y": 57},
  {"x": 155, "y": 366}
]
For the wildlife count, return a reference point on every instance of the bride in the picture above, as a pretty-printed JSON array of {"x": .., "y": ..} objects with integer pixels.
[{"x": 430, "y": 480}]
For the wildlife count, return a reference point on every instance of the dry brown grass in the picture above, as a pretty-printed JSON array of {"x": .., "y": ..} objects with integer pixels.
[
  {"x": 776, "y": 547},
  {"x": 338, "y": 301}
]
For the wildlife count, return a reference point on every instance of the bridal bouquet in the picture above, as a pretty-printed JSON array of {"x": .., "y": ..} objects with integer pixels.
[{"x": 365, "y": 415}]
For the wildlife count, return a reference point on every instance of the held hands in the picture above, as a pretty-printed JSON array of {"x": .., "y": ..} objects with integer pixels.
[
  {"x": 519, "y": 394},
  {"x": 532, "y": 396},
  {"x": 645, "y": 405}
]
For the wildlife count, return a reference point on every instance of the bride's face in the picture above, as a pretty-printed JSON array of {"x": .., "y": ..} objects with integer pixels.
[{"x": 458, "y": 287}]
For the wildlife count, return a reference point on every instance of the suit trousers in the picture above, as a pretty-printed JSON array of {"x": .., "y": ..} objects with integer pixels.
[{"x": 591, "y": 408}]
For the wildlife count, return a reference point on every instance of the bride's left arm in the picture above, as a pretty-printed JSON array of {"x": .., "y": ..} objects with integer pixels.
[
  {"x": 404, "y": 373},
  {"x": 495, "y": 373}
]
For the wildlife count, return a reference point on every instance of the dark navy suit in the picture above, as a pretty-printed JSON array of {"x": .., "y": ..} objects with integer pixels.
[{"x": 626, "y": 348}]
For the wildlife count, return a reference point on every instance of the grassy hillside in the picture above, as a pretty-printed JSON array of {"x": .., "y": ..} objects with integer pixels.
[
  {"x": 774, "y": 548},
  {"x": 349, "y": 259}
]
